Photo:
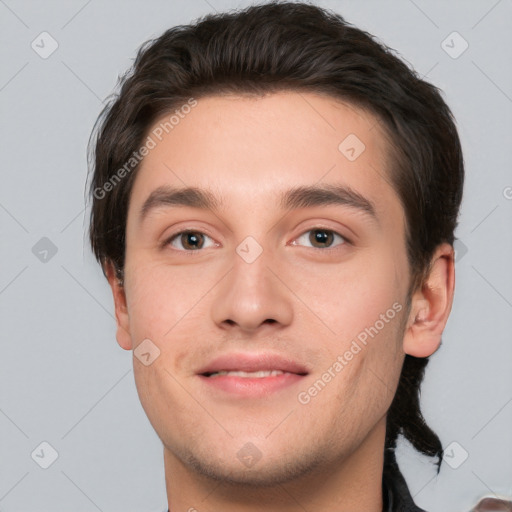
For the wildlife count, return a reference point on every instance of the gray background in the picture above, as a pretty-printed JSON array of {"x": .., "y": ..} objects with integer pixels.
[{"x": 63, "y": 378}]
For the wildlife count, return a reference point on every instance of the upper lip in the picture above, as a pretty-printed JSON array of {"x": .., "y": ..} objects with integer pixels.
[{"x": 253, "y": 362}]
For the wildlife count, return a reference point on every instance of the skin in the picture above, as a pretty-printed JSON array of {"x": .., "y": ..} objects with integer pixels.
[{"x": 197, "y": 304}]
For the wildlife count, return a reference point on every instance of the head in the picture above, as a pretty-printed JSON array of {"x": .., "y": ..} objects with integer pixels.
[{"x": 240, "y": 109}]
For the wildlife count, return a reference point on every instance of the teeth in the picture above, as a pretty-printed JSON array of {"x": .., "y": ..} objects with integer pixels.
[{"x": 259, "y": 374}]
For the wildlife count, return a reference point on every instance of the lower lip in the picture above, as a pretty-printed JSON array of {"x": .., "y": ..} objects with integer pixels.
[{"x": 252, "y": 387}]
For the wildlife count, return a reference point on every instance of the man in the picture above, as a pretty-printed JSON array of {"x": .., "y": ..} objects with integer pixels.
[{"x": 275, "y": 196}]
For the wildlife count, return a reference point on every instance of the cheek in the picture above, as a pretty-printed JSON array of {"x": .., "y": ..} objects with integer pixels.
[
  {"x": 159, "y": 297},
  {"x": 351, "y": 297},
  {"x": 166, "y": 402}
]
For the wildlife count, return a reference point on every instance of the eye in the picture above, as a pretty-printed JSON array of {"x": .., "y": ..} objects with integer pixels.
[
  {"x": 320, "y": 238},
  {"x": 189, "y": 241}
]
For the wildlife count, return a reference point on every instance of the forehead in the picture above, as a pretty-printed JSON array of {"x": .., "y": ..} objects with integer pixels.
[{"x": 245, "y": 149}]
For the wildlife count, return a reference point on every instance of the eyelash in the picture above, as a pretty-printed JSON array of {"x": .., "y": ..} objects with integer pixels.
[{"x": 345, "y": 241}]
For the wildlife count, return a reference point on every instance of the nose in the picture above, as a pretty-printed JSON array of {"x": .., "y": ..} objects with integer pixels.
[{"x": 252, "y": 296}]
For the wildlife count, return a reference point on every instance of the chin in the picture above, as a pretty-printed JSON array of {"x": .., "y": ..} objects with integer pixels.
[{"x": 262, "y": 473}]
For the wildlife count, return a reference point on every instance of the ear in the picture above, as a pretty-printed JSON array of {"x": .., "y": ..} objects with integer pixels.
[
  {"x": 122, "y": 318},
  {"x": 431, "y": 306}
]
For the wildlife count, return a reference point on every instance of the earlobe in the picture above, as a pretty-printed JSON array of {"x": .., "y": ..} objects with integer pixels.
[
  {"x": 122, "y": 318},
  {"x": 431, "y": 306}
]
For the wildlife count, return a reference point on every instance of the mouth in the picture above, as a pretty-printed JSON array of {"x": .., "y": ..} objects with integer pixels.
[
  {"x": 252, "y": 375},
  {"x": 247, "y": 375}
]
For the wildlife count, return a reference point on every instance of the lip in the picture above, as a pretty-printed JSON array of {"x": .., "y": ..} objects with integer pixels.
[
  {"x": 293, "y": 372},
  {"x": 253, "y": 362}
]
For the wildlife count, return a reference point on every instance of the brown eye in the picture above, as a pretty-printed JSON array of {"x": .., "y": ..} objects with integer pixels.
[
  {"x": 321, "y": 238},
  {"x": 188, "y": 240}
]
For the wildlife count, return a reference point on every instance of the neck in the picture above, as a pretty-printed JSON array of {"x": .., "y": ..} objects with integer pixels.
[{"x": 351, "y": 483}]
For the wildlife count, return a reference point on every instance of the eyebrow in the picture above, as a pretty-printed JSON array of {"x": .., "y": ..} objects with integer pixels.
[{"x": 297, "y": 197}]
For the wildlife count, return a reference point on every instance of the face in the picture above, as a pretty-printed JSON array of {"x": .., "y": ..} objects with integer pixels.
[{"x": 285, "y": 270}]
